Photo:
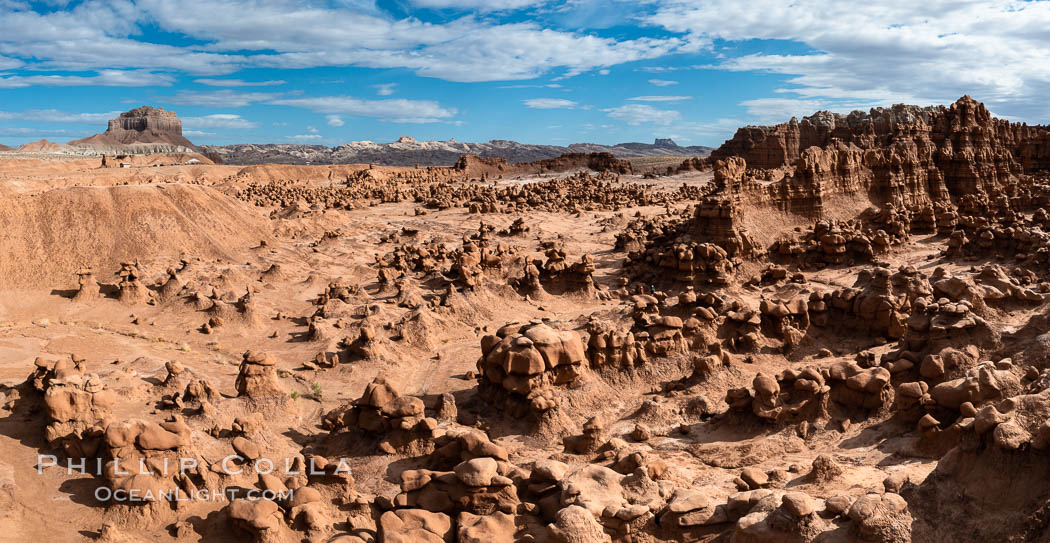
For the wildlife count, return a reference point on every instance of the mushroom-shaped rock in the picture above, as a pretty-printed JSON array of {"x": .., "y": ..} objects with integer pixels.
[
  {"x": 257, "y": 377},
  {"x": 477, "y": 471},
  {"x": 798, "y": 504},
  {"x": 882, "y": 517},
  {"x": 497, "y": 527},
  {"x": 755, "y": 478},
  {"x": 414, "y": 525},
  {"x": 378, "y": 393},
  {"x": 256, "y": 517},
  {"x": 246, "y": 448},
  {"x": 574, "y": 524}
]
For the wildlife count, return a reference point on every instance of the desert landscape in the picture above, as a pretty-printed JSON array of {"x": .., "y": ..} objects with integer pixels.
[{"x": 827, "y": 330}]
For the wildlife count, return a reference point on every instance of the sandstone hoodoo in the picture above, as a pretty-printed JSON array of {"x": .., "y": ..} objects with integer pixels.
[{"x": 903, "y": 155}]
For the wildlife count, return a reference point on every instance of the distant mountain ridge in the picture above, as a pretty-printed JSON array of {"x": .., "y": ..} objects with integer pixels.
[
  {"x": 149, "y": 130},
  {"x": 407, "y": 151}
]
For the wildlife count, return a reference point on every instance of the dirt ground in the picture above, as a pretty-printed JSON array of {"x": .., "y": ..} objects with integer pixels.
[{"x": 222, "y": 248}]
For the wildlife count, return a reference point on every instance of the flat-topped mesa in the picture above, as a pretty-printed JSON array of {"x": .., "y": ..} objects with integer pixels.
[
  {"x": 147, "y": 124},
  {"x": 144, "y": 125},
  {"x": 146, "y": 119}
]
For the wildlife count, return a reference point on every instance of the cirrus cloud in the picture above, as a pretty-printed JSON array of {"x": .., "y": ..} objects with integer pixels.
[
  {"x": 385, "y": 89},
  {"x": 480, "y": 5},
  {"x": 660, "y": 98},
  {"x": 218, "y": 120},
  {"x": 56, "y": 116},
  {"x": 925, "y": 52},
  {"x": 286, "y": 34},
  {"x": 635, "y": 114},
  {"x": 397, "y": 110},
  {"x": 219, "y": 98},
  {"x": 549, "y": 103},
  {"x": 104, "y": 78},
  {"x": 237, "y": 83}
]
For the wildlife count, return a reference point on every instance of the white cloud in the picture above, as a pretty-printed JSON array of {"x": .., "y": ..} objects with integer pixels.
[
  {"x": 286, "y": 34},
  {"x": 396, "y": 110},
  {"x": 549, "y": 103},
  {"x": 312, "y": 130},
  {"x": 305, "y": 137},
  {"x": 660, "y": 98},
  {"x": 219, "y": 120},
  {"x": 604, "y": 72},
  {"x": 104, "y": 78},
  {"x": 635, "y": 114},
  {"x": 914, "y": 52},
  {"x": 219, "y": 38},
  {"x": 335, "y": 120},
  {"x": 219, "y": 98},
  {"x": 481, "y": 5},
  {"x": 32, "y": 132},
  {"x": 778, "y": 110},
  {"x": 895, "y": 51},
  {"x": 56, "y": 116},
  {"x": 10, "y": 63},
  {"x": 718, "y": 129},
  {"x": 527, "y": 86},
  {"x": 385, "y": 89},
  {"x": 96, "y": 35},
  {"x": 237, "y": 83}
]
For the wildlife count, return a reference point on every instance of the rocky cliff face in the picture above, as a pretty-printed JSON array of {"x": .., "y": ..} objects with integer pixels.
[
  {"x": 1035, "y": 152},
  {"x": 966, "y": 122},
  {"x": 144, "y": 120},
  {"x": 156, "y": 127},
  {"x": 782, "y": 144},
  {"x": 900, "y": 156}
]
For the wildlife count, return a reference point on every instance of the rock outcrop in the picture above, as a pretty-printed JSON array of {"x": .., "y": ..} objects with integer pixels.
[
  {"x": 157, "y": 129},
  {"x": 522, "y": 361},
  {"x": 904, "y": 155}
]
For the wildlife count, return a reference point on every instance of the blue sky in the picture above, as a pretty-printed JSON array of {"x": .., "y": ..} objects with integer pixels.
[{"x": 536, "y": 71}]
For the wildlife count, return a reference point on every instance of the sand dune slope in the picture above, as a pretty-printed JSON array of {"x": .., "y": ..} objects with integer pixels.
[{"x": 45, "y": 238}]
